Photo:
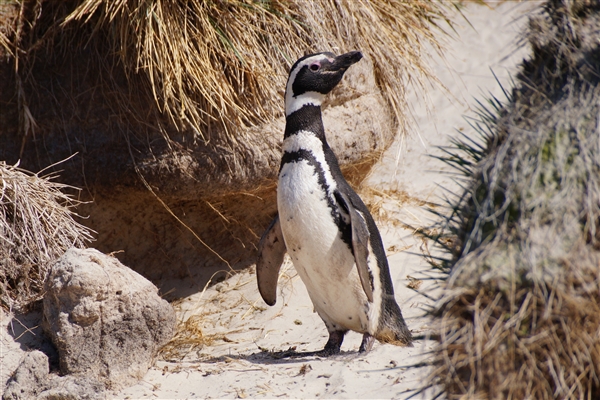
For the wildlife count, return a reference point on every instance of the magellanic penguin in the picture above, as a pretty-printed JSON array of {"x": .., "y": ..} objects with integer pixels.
[{"x": 324, "y": 225}]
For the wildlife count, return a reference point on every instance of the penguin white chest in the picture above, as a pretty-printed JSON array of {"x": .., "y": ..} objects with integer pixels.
[
  {"x": 313, "y": 240},
  {"x": 305, "y": 215}
]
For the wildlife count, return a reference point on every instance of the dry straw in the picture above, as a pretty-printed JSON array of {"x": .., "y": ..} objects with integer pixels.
[
  {"x": 37, "y": 226},
  {"x": 520, "y": 315}
]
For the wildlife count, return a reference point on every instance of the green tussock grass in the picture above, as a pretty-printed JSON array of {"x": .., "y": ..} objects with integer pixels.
[{"x": 520, "y": 312}]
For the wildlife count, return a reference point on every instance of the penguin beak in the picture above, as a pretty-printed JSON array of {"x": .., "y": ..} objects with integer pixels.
[{"x": 344, "y": 61}]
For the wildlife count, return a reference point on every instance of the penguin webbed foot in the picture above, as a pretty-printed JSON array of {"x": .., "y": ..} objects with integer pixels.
[{"x": 333, "y": 345}]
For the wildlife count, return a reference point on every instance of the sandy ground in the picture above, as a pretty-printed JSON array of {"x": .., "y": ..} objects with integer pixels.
[{"x": 243, "y": 335}]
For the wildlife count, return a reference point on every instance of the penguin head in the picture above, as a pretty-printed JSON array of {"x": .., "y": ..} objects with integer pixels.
[{"x": 315, "y": 75}]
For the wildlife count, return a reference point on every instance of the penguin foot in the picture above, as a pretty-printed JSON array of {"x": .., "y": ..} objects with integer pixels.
[
  {"x": 333, "y": 345},
  {"x": 367, "y": 343}
]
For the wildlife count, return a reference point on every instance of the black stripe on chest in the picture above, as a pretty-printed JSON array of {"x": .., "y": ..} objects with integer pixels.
[
  {"x": 307, "y": 118},
  {"x": 308, "y": 156}
]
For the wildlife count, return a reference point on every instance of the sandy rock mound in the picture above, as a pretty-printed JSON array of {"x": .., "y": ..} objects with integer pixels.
[
  {"x": 106, "y": 321},
  {"x": 225, "y": 192}
]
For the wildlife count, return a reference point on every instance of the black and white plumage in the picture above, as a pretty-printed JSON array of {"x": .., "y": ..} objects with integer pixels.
[{"x": 323, "y": 224}]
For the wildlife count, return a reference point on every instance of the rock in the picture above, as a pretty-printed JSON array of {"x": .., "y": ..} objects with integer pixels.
[
  {"x": 29, "y": 378},
  {"x": 106, "y": 321}
]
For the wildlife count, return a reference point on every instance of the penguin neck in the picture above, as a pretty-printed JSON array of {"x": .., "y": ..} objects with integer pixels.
[
  {"x": 307, "y": 119},
  {"x": 295, "y": 101}
]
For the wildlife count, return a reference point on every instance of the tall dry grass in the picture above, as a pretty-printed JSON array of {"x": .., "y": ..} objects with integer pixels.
[
  {"x": 37, "y": 225},
  {"x": 223, "y": 64}
]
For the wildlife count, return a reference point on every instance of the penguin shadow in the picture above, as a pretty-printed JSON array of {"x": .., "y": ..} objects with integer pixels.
[{"x": 289, "y": 356}]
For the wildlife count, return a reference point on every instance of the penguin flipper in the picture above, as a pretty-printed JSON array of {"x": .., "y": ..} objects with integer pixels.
[
  {"x": 360, "y": 245},
  {"x": 271, "y": 250}
]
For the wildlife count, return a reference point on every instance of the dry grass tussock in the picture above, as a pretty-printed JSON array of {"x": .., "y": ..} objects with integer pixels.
[
  {"x": 223, "y": 64},
  {"x": 520, "y": 315},
  {"x": 37, "y": 226}
]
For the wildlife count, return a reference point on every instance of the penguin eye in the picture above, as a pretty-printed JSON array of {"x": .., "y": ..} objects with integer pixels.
[{"x": 314, "y": 67}]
